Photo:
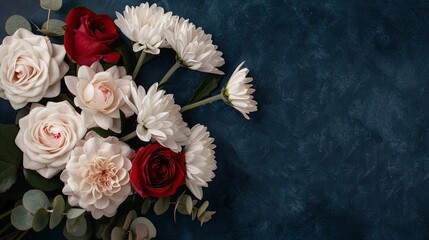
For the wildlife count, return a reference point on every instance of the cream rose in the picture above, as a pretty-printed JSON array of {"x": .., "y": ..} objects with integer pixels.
[
  {"x": 100, "y": 95},
  {"x": 31, "y": 68},
  {"x": 47, "y": 135},
  {"x": 96, "y": 178}
]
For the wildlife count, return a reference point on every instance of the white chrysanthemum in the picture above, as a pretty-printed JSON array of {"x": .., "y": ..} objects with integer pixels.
[
  {"x": 200, "y": 160},
  {"x": 158, "y": 117},
  {"x": 100, "y": 95},
  {"x": 145, "y": 25},
  {"x": 238, "y": 92},
  {"x": 97, "y": 177},
  {"x": 194, "y": 48}
]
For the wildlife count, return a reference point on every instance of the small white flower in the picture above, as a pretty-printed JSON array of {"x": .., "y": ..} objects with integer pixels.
[
  {"x": 158, "y": 117},
  {"x": 145, "y": 25},
  {"x": 47, "y": 135},
  {"x": 100, "y": 95},
  {"x": 31, "y": 68},
  {"x": 238, "y": 92},
  {"x": 200, "y": 160},
  {"x": 194, "y": 48},
  {"x": 97, "y": 177}
]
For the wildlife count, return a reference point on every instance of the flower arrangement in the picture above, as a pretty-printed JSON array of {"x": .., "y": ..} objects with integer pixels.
[{"x": 73, "y": 147}]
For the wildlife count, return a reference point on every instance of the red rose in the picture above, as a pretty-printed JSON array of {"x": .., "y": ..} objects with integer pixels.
[
  {"x": 90, "y": 37},
  {"x": 157, "y": 171}
]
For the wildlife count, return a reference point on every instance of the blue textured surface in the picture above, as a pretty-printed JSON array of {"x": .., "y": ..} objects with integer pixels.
[{"x": 339, "y": 147}]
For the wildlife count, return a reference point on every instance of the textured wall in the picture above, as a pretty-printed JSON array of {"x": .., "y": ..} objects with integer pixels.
[{"x": 339, "y": 148}]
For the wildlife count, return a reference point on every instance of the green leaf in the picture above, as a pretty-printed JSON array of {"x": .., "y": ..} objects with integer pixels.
[
  {"x": 203, "y": 208},
  {"x": 88, "y": 233},
  {"x": 77, "y": 226},
  {"x": 21, "y": 218},
  {"x": 146, "y": 205},
  {"x": 117, "y": 233},
  {"x": 107, "y": 232},
  {"x": 53, "y": 5},
  {"x": 130, "y": 217},
  {"x": 178, "y": 200},
  {"x": 55, "y": 28},
  {"x": 102, "y": 132},
  {"x": 59, "y": 98},
  {"x": 161, "y": 205},
  {"x": 206, "y": 217},
  {"x": 205, "y": 88},
  {"x": 187, "y": 201},
  {"x": 34, "y": 199},
  {"x": 75, "y": 213},
  {"x": 40, "y": 220},
  {"x": 142, "y": 231},
  {"x": 10, "y": 156},
  {"x": 20, "y": 114},
  {"x": 142, "y": 220},
  {"x": 16, "y": 22},
  {"x": 128, "y": 57},
  {"x": 58, "y": 206},
  {"x": 39, "y": 182}
]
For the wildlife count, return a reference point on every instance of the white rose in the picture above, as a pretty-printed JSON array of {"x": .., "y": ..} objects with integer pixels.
[
  {"x": 100, "y": 95},
  {"x": 47, "y": 135},
  {"x": 31, "y": 68},
  {"x": 97, "y": 177}
]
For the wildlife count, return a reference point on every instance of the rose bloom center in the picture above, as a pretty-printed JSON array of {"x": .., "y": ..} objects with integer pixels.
[
  {"x": 22, "y": 70},
  {"x": 102, "y": 174}
]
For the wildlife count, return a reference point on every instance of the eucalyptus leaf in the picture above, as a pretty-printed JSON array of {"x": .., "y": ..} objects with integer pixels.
[
  {"x": 75, "y": 213},
  {"x": 161, "y": 205},
  {"x": 58, "y": 206},
  {"x": 142, "y": 231},
  {"x": 89, "y": 231},
  {"x": 142, "y": 220},
  {"x": 40, "y": 220},
  {"x": 187, "y": 201},
  {"x": 205, "y": 88},
  {"x": 130, "y": 217},
  {"x": 53, "y": 5},
  {"x": 34, "y": 199},
  {"x": 20, "y": 114},
  {"x": 146, "y": 205},
  {"x": 21, "y": 218},
  {"x": 16, "y": 22},
  {"x": 178, "y": 203},
  {"x": 41, "y": 183},
  {"x": 206, "y": 216},
  {"x": 55, "y": 28},
  {"x": 117, "y": 233},
  {"x": 202, "y": 209},
  {"x": 10, "y": 156},
  {"x": 77, "y": 226},
  {"x": 106, "y": 235}
]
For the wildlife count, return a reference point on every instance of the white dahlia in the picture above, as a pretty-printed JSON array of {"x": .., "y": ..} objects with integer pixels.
[
  {"x": 145, "y": 25},
  {"x": 158, "y": 117},
  {"x": 194, "y": 48},
  {"x": 96, "y": 177},
  {"x": 238, "y": 92},
  {"x": 100, "y": 95},
  {"x": 200, "y": 160}
]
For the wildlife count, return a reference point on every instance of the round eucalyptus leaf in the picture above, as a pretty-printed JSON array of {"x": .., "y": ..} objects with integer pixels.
[
  {"x": 40, "y": 220},
  {"x": 142, "y": 220},
  {"x": 34, "y": 199},
  {"x": 130, "y": 217},
  {"x": 203, "y": 208},
  {"x": 58, "y": 206},
  {"x": 55, "y": 28},
  {"x": 77, "y": 226},
  {"x": 21, "y": 218},
  {"x": 161, "y": 205},
  {"x": 146, "y": 205},
  {"x": 53, "y": 5},
  {"x": 117, "y": 233},
  {"x": 16, "y": 22},
  {"x": 75, "y": 213}
]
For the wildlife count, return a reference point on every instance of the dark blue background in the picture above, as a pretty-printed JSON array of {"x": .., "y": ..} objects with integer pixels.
[{"x": 339, "y": 147}]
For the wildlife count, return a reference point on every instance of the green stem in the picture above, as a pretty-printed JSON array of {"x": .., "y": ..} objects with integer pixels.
[
  {"x": 139, "y": 64},
  {"x": 202, "y": 102},
  {"x": 3, "y": 229},
  {"x": 49, "y": 17},
  {"x": 3, "y": 215},
  {"x": 21, "y": 235},
  {"x": 129, "y": 136},
  {"x": 169, "y": 73}
]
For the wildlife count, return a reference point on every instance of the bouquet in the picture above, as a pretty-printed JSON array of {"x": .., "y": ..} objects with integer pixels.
[{"x": 93, "y": 150}]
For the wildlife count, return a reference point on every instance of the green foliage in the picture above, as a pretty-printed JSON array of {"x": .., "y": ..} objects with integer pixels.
[
  {"x": 35, "y": 199},
  {"x": 161, "y": 205},
  {"x": 146, "y": 205},
  {"x": 205, "y": 88},
  {"x": 139, "y": 225},
  {"x": 186, "y": 206},
  {"x": 16, "y": 22},
  {"x": 21, "y": 218},
  {"x": 10, "y": 156},
  {"x": 53, "y": 27},
  {"x": 58, "y": 207},
  {"x": 75, "y": 213},
  {"x": 40, "y": 220},
  {"x": 76, "y": 226},
  {"x": 39, "y": 182},
  {"x": 53, "y": 5}
]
